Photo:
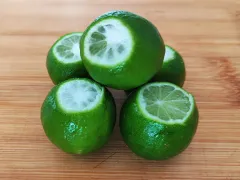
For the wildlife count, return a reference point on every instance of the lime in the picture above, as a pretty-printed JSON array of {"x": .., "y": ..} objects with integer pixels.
[
  {"x": 159, "y": 120},
  {"x": 64, "y": 60},
  {"x": 122, "y": 50},
  {"x": 173, "y": 68},
  {"x": 78, "y": 116}
]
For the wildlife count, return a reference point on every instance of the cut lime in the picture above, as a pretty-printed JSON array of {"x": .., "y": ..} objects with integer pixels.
[
  {"x": 159, "y": 120},
  {"x": 122, "y": 50},
  {"x": 64, "y": 60},
  {"x": 173, "y": 68},
  {"x": 78, "y": 116}
]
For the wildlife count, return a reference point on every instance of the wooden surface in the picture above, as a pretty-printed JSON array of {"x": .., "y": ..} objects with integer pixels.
[{"x": 206, "y": 33}]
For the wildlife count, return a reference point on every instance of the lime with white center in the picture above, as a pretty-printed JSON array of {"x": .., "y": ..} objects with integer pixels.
[
  {"x": 122, "y": 50},
  {"x": 64, "y": 60},
  {"x": 78, "y": 116},
  {"x": 159, "y": 120},
  {"x": 173, "y": 68}
]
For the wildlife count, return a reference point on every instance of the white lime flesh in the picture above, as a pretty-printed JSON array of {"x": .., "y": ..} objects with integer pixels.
[
  {"x": 109, "y": 42},
  {"x": 79, "y": 95},
  {"x": 67, "y": 49}
]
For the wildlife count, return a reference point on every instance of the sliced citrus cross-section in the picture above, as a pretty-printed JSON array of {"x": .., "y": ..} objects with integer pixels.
[{"x": 165, "y": 103}]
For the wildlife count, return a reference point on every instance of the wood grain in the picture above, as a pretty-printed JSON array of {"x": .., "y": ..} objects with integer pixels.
[{"x": 206, "y": 33}]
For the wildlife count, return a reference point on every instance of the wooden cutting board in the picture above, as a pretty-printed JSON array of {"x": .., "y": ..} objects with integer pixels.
[{"x": 206, "y": 33}]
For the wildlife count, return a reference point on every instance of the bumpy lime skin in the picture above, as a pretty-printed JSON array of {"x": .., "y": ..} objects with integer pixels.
[
  {"x": 143, "y": 63},
  {"x": 78, "y": 133},
  {"x": 154, "y": 140},
  {"x": 172, "y": 71},
  {"x": 59, "y": 71}
]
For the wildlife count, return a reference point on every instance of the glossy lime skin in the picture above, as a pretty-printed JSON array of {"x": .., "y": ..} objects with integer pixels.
[
  {"x": 143, "y": 63},
  {"x": 78, "y": 133},
  {"x": 154, "y": 140},
  {"x": 172, "y": 71},
  {"x": 59, "y": 71}
]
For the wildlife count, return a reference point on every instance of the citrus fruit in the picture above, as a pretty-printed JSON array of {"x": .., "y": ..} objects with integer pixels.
[
  {"x": 173, "y": 68},
  {"x": 64, "y": 60},
  {"x": 78, "y": 115},
  {"x": 159, "y": 120},
  {"x": 122, "y": 50}
]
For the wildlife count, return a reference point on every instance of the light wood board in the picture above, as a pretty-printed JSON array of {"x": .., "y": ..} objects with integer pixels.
[{"x": 206, "y": 33}]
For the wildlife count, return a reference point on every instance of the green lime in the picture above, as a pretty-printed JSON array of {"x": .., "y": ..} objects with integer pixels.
[
  {"x": 158, "y": 121},
  {"x": 173, "y": 68},
  {"x": 64, "y": 60},
  {"x": 122, "y": 50},
  {"x": 78, "y": 116}
]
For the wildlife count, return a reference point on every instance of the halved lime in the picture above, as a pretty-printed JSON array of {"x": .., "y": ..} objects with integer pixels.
[
  {"x": 173, "y": 68},
  {"x": 78, "y": 116},
  {"x": 122, "y": 50},
  {"x": 159, "y": 120},
  {"x": 64, "y": 60}
]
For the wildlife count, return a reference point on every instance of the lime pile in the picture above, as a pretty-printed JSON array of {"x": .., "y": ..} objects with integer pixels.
[{"x": 124, "y": 51}]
